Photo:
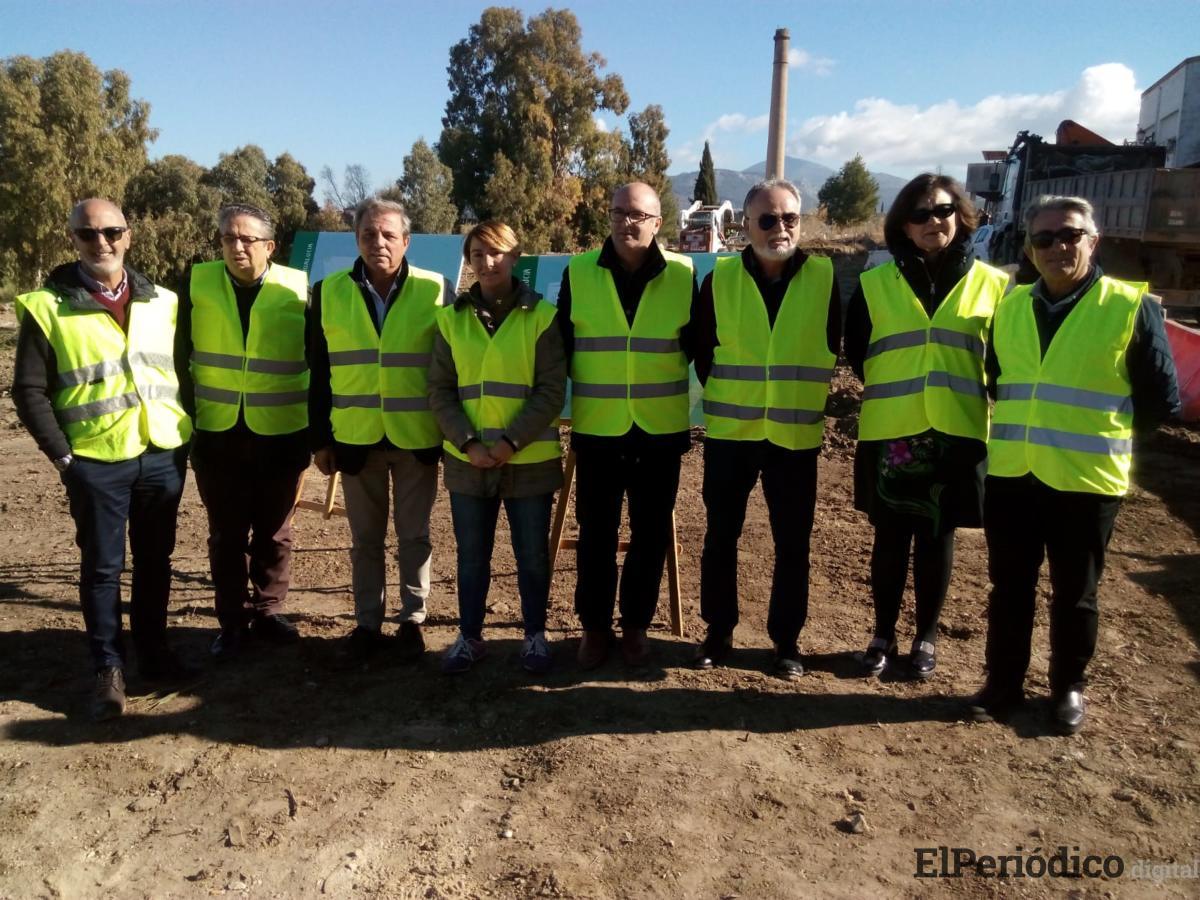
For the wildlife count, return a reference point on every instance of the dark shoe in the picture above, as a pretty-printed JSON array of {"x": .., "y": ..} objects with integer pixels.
[
  {"x": 465, "y": 652},
  {"x": 274, "y": 629},
  {"x": 535, "y": 654},
  {"x": 108, "y": 694},
  {"x": 787, "y": 661},
  {"x": 634, "y": 646},
  {"x": 877, "y": 656},
  {"x": 410, "y": 643},
  {"x": 228, "y": 644},
  {"x": 712, "y": 650},
  {"x": 161, "y": 665},
  {"x": 1069, "y": 712},
  {"x": 994, "y": 704},
  {"x": 593, "y": 649},
  {"x": 359, "y": 647},
  {"x": 923, "y": 660}
]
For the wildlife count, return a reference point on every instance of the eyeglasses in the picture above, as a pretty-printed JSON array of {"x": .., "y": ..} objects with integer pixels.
[
  {"x": 942, "y": 211},
  {"x": 232, "y": 240},
  {"x": 1044, "y": 240},
  {"x": 632, "y": 216},
  {"x": 768, "y": 221},
  {"x": 112, "y": 234}
]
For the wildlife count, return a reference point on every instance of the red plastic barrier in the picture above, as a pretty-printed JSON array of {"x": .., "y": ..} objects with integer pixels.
[{"x": 1185, "y": 347}]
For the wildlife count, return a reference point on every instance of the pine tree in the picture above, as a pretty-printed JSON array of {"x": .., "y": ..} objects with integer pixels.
[
  {"x": 850, "y": 196},
  {"x": 706, "y": 181}
]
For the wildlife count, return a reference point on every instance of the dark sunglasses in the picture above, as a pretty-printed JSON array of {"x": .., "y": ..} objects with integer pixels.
[
  {"x": 942, "y": 211},
  {"x": 112, "y": 234},
  {"x": 767, "y": 221},
  {"x": 1044, "y": 240}
]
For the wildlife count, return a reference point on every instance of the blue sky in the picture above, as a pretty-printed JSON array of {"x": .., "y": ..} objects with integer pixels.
[{"x": 911, "y": 86}]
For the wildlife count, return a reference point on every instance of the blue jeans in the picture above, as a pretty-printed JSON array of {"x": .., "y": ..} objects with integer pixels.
[
  {"x": 475, "y": 532},
  {"x": 143, "y": 492}
]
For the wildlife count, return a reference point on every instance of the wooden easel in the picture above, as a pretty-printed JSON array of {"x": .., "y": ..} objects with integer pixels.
[
  {"x": 558, "y": 542},
  {"x": 327, "y": 508}
]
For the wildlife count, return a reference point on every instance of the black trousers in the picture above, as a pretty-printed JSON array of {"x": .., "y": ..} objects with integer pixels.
[
  {"x": 1025, "y": 522},
  {"x": 897, "y": 536},
  {"x": 789, "y": 480},
  {"x": 651, "y": 480}
]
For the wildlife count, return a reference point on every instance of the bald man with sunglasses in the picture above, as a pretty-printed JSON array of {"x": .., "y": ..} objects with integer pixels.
[
  {"x": 97, "y": 384},
  {"x": 1077, "y": 363},
  {"x": 768, "y": 330}
]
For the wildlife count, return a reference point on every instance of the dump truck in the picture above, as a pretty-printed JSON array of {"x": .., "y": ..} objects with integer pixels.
[{"x": 702, "y": 228}]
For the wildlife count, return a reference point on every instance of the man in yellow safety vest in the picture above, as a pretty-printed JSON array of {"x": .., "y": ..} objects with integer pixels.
[
  {"x": 768, "y": 330},
  {"x": 244, "y": 320},
  {"x": 97, "y": 384},
  {"x": 1076, "y": 362},
  {"x": 624, "y": 312}
]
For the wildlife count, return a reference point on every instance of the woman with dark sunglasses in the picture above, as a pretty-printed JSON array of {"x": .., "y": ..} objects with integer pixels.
[{"x": 915, "y": 334}]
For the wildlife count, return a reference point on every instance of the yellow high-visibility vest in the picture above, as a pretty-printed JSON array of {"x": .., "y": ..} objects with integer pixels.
[
  {"x": 923, "y": 373},
  {"x": 379, "y": 380},
  {"x": 263, "y": 372},
  {"x": 770, "y": 382},
  {"x": 622, "y": 374},
  {"x": 1067, "y": 417},
  {"x": 116, "y": 391},
  {"x": 495, "y": 374}
]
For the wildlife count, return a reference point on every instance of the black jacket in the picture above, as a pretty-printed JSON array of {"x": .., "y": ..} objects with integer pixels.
[{"x": 36, "y": 371}]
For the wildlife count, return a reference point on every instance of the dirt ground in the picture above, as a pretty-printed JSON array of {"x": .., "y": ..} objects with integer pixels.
[{"x": 281, "y": 776}]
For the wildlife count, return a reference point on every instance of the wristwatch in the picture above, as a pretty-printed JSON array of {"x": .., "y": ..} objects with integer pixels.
[{"x": 64, "y": 462}]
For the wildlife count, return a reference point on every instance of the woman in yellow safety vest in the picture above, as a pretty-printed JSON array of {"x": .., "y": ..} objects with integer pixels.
[
  {"x": 915, "y": 334},
  {"x": 496, "y": 386}
]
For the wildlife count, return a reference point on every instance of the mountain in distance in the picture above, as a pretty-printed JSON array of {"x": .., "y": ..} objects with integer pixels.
[{"x": 805, "y": 174}]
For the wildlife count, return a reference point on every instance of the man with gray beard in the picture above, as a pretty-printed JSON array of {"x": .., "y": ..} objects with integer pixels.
[{"x": 768, "y": 328}]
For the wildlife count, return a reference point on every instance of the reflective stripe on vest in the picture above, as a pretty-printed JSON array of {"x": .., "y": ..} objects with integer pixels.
[
  {"x": 770, "y": 382},
  {"x": 922, "y": 373},
  {"x": 622, "y": 374},
  {"x": 263, "y": 372},
  {"x": 495, "y": 373},
  {"x": 116, "y": 392},
  {"x": 379, "y": 382},
  {"x": 1067, "y": 417}
]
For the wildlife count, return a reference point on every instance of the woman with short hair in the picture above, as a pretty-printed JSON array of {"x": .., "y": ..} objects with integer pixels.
[
  {"x": 496, "y": 386},
  {"x": 915, "y": 334}
]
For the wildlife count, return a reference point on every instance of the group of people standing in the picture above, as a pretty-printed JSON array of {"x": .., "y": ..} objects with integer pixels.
[{"x": 383, "y": 372}]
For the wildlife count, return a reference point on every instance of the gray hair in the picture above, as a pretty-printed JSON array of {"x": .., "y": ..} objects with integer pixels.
[
  {"x": 1047, "y": 203},
  {"x": 767, "y": 185},
  {"x": 231, "y": 211},
  {"x": 373, "y": 206}
]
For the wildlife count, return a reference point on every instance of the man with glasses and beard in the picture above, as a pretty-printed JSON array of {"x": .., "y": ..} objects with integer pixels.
[
  {"x": 243, "y": 323},
  {"x": 768, "y": 328},
  {"x": 624, "y": 312},
  {"x": 97, "y": 384},
  {"x": 1077, "y": 362}
]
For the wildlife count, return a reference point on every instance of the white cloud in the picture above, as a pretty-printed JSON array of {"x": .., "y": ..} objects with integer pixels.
[
  {"x": 735, "y": 123},
  {"x": 906, "y": 137},
  {"x": 600, "y": 124},
  {"x": 805, "y": 61}
]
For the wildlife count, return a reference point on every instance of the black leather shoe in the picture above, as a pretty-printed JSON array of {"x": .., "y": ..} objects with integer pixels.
[
  {"x": 274, "y": 629},
  {"x": 1069, "y": 712},
  {"x": 358, "y": 648},
  {"x": 787, "y": 661},
  {"x": 712, "y": 650},
  {"x": 228, "y": 644},
  {"x": 108, "y": 694},
  {"x": 923, "y": 660},
  {"x": 162, "y": 665},
  {"x": 994, "y": 704},
  {"x": 876, "y": 657},
  {"x": 410, "y": 643}
]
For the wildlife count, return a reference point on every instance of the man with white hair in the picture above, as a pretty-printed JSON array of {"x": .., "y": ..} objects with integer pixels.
[
  {"x": 97, "y": 384},
  {"x": 768, "y": 330},
  {"x": 1077, "y": 362}
]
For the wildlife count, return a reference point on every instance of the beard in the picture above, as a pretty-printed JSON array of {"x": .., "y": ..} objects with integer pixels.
[{"x": 776, "y": 253}]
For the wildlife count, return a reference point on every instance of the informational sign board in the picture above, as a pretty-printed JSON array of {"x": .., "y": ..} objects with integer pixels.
[{"x": 320, "y": 253}]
